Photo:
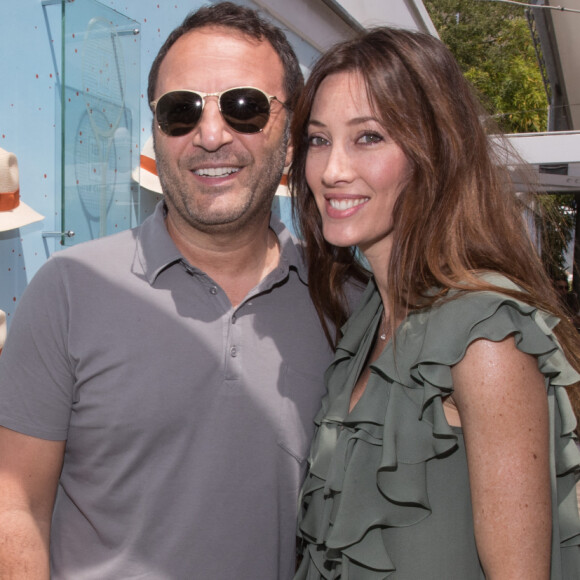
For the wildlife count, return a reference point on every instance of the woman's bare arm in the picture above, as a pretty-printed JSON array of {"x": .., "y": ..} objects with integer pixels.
[{"x": 501, "y": 398}]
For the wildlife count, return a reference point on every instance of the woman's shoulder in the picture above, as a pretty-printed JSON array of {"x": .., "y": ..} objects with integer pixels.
[
  {"x": 442, "y": 333},
  {"x": 463, "y": 309}
]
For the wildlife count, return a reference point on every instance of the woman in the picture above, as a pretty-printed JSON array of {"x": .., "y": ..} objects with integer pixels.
[{"x": 438, "y": 454}]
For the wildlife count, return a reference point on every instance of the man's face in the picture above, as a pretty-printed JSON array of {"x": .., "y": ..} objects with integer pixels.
[{"x": 215, "y": 179}]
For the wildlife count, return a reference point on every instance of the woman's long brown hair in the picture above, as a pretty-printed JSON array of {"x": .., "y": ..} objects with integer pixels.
[{"x": 457, "y": 217}]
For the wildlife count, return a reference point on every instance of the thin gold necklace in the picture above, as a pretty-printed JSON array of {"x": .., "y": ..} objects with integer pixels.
[{"x": 383, "y": 330}]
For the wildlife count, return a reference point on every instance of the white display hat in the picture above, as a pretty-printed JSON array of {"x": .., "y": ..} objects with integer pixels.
[
  {"x": 283, "y": 190},
  {"x": 14, "y": 213},
  {"x": 146, "y": 173},
  {"x": 2, "y": 328}
]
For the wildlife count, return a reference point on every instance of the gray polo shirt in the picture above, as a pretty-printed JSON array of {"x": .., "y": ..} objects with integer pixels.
[{"x": 187, "y": 421}]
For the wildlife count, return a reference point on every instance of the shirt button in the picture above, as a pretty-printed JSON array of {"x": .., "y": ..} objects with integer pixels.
[
  {"x": 233, "y": 351},
  {"x": 213, "y": 290}
]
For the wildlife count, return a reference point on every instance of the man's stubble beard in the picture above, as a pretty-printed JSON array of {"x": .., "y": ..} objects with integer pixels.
[{"x": 257, "y": 204}]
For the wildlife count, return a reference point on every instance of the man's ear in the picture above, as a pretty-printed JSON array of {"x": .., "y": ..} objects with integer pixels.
[{"x": 289, "y": 153}]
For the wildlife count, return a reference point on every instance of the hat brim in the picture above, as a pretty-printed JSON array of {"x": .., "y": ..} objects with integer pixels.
[
  {"x": 18, "y": 217},
  {"x": 147, "y": 179},
  {"x": 2, "y": 328},
  {"x": 283, "y": 191}
]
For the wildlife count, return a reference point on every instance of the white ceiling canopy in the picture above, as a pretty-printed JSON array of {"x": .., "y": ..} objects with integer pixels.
[
  {"x": 410, "y": 14},
  {"x": 323, "y": 23},
  {"x": 543, "y": 150}
]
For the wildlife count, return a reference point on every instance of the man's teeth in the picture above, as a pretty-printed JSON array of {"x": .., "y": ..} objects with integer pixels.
[
  {"x": 216, "y": 171},
  {"x": 343, "y": 204}
]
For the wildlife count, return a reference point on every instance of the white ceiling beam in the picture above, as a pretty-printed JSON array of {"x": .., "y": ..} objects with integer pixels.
[
  {"x": 544, "y": 148},
  {"x": 410, "y": 14},
  {"x": 323, "y": 23}
]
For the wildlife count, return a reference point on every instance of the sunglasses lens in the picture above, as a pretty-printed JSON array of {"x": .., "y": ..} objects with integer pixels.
[
  {"x": 246, "y": 110},
  {"x": 178, "y": 112}
]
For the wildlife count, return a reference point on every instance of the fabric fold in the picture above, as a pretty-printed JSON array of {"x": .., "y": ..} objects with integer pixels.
[{"x": 370, "y": 468}]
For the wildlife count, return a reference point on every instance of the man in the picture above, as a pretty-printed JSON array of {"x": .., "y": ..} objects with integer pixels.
[{"x": 162, "y": 382}]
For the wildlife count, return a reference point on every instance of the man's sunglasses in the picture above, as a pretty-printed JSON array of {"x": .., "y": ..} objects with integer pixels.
[{"x": 244, "y": 109}]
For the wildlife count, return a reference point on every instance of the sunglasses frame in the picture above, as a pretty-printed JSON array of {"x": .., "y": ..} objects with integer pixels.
[{"x": 219, "y": 94}]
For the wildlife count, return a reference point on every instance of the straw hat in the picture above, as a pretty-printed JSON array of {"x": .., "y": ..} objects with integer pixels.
[
  {"x": 283, "y": 190},
  {"x": 13, "y": 212},
  {"x": 146, "y": 173},
  {"x": 2, "y": 329}
]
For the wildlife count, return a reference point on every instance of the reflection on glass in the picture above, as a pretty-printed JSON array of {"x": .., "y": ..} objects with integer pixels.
[{"x": 100, "y": 120}]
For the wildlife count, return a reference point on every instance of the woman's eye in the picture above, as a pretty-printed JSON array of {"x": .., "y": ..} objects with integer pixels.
[
  {"x": 317, "y": 141},
  {"x": 370, "y": 138}
]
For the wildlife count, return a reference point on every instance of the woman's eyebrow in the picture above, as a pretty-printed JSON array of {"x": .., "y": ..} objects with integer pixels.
[{"x": 353, "y": 121}]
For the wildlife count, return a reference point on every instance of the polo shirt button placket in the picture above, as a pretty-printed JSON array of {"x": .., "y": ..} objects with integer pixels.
[{"x": 233, "y": 367}]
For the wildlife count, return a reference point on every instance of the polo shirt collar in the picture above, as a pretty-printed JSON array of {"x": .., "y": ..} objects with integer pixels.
[
  {"x": 156, "y": 250},
  {"x": 291, "y": 250}
]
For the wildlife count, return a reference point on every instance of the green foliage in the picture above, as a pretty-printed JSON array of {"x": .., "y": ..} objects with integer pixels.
[
  {"x": 494, "y": 48},
  {"x": 559, "y": 217},
  {"x": 493, "y": 44}
]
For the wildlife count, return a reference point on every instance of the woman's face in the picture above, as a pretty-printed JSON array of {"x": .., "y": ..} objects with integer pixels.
[{"x": 354, "y": 169}]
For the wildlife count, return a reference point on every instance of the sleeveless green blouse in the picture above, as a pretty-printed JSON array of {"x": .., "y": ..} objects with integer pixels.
[{"x": 387, "y": 493}]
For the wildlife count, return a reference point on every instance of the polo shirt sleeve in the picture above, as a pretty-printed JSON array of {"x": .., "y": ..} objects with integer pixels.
[{"x": 36, "y": 374}]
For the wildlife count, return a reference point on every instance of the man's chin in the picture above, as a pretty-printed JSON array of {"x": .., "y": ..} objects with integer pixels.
[{"x": 227, "y": 222}]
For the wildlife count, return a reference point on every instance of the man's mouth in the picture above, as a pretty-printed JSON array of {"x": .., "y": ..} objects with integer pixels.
[{"x": 216, "y": 171}]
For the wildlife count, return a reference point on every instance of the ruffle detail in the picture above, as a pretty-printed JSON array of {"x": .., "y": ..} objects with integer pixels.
[{"x": 397, "y": 428}]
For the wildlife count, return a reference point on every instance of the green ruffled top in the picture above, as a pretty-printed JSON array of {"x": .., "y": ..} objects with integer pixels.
[{"x": 387, "y": 493}]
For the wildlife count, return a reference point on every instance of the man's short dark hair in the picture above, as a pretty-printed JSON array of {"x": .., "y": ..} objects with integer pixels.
[{"x": 246, "y": 21}]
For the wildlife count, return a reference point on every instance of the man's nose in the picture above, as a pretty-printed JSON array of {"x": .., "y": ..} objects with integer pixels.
[{"x": 211, "y": 132}]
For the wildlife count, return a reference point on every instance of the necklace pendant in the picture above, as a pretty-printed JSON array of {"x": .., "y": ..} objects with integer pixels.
[{"x": 383, "y": 328}]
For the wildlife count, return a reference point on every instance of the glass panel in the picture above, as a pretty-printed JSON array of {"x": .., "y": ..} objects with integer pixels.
[{"x": 99, "y": 120}]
